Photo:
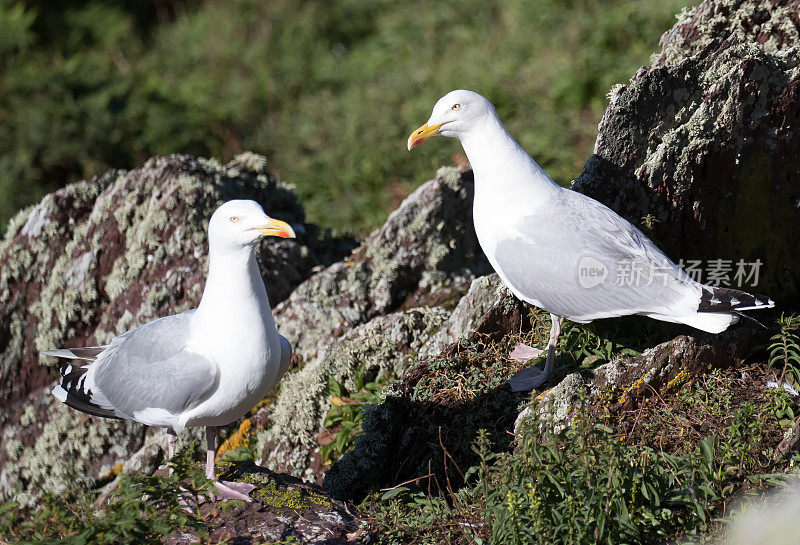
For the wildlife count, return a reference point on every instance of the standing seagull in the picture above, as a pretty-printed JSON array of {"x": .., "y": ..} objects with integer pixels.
[
  {"x": 203, "y": 367},
  {"x": 562, "y": 251}
]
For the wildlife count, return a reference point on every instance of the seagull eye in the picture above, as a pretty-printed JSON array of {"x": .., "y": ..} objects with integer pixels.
[
  {"x": 234, "y": 219},
  {"x": 456, "y": 107}
]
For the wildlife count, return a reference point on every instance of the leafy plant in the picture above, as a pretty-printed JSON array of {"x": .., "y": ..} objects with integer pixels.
[
  {"x": 785, "y": 348},
  {"x": 344, "y": 419},
  {"x": 582, "y": 485},
  {"x": 583, "y": 344},
  {"x": 402, "y": 515}
]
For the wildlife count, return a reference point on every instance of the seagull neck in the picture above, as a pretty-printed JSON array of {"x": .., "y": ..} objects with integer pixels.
[
  {"x": 233, "y": 285},
  {"x": 501, "y": 166}
]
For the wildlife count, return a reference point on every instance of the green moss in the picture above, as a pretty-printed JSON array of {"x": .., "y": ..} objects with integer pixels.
[{"x": 289, "y": 499}]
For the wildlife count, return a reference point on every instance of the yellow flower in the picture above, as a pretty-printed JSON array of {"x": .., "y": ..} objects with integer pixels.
[{"x": 239, "y": 438}]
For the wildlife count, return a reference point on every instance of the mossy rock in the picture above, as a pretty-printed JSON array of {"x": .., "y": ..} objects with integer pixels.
[
  {"x": 284, "y": 509},
  {"x": 375, "y": 311}
]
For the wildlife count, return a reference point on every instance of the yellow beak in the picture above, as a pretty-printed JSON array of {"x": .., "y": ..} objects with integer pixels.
[
  {"x": 276, "y": 228},
  {"x": 423, "y": 133}
]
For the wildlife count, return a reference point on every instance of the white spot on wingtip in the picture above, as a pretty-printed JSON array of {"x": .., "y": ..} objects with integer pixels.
[{"x": 60, "y": 394}]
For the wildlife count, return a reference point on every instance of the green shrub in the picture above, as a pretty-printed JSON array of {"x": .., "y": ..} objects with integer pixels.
[
  {"x": 328, "y": 90},
  {"x": 142, "y": 509},
  {"x": 582, "y": 485}
]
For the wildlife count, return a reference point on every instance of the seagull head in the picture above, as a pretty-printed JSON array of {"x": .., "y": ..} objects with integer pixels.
[
  {"x": 241, "y": 223},
  {"x": 455, "y": 114}
]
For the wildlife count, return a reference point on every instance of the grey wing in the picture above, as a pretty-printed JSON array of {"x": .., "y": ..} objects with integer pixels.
[
  {"x": 580, "y": 260},
  {"x": 286, "y": 356},
  {"x": 150, "y": 367},
  {"x": 596, "y": 227}
]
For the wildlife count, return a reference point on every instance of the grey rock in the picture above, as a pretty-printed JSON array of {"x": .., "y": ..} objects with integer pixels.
[
  {"x": 374, "y": 310},
  {"x": 426, "y": 254},
  {"x": 384, "y": 344},
  {"x": 485, "y": 293}
]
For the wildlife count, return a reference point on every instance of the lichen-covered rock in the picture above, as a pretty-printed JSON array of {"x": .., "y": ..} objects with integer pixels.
[
  {"x": 283, "y": 510},
  {"x": 705, "y": 142},
  {"x": 773, "y": 24},
  {"x": 374, "y": 310},
  {"x": 426, "y": 254},
  {"x": 47, "y": 444},
  {"x": 99, "y": 257},
  {"x": 622, "y": 383},
  {"x": 385, "y": 344},
  {"x": 485, "y": 293}
]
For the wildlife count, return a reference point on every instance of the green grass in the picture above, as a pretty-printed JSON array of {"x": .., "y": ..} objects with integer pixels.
[{"x": 328, "y": 90}]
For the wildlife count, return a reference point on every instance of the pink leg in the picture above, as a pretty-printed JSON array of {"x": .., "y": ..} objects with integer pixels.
[
  {"x": 532, "y": 377},
  {"x": 211, "y": 442},
  {"x": 226, "y": 489},
  {"x": 172, "y": 438},
  {"x": 523, "y": 353}
]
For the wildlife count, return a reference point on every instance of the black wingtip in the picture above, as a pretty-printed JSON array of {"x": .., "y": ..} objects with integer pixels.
[
  {"x": 77, "y": 397},
  {"x": 715, "y": 299}
]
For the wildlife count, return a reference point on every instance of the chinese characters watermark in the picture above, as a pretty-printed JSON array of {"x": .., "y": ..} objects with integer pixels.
[{"x": 635, "y": 272}]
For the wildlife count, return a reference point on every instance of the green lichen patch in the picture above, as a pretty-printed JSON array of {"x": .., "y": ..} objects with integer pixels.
[{"x": 276, "y": 490}]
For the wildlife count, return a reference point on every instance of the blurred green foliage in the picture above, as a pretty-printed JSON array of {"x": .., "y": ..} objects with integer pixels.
[{"x": 328, "y": 89}]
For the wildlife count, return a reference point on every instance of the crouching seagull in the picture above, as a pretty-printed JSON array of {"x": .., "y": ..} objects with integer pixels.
[
  {"x": 203, "y": 367},
  {"x": 562, "y": 251}
]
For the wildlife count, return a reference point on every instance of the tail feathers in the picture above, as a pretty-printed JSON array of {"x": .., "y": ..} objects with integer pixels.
[
  {"x": 715, "y": 299},
  {"x": 86, "y": 353},
  {"x": 710, "y": 322},
  {"x": 73, "y": 392}
]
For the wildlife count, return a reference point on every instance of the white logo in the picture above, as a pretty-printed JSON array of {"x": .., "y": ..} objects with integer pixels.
[{"x": 591, "y": 272}]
